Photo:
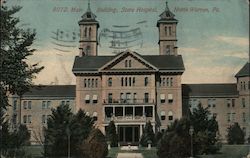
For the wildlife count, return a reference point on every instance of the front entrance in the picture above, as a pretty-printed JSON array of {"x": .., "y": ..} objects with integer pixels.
[{"x": 129, "y": 135}]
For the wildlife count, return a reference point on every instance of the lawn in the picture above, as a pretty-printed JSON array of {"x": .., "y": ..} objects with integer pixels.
[{"x": 145, "y": 152}]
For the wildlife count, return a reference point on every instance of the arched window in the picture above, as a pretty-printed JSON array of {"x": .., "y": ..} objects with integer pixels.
[
  {"x": 90, "y": 32},
  {"x": 95, "y": 116},
  {"x": 171, "y": 82},
  {"x": 110, "y": 82},
  {"x": 126, "y": 81},
  {"x": 130, "y": 81},
  {"x": 92, "y": 83},
  {"x": 85, "y": 32},
  {"x": 129, "y": 63},
  {"x": 126, "y": 63},
  {"x": 170, "y": 116},
  {"x": 163, "y": 81},
  {"x": 146, "y": 81},
  {"x": 163, "y": 115},
  {"x": 168, "y": 82},
  {"x": 133, "y": 81},
  {"x": 96, "y": 82},
  {"x": 88, "y": 82},
  {"x": 166, "y": 30},
  {"x": 85, "y": 82},
  {"x": 170, "y": 30},
  {"x": 122, "y": 81},
  {"x": 88, "y": 50}
]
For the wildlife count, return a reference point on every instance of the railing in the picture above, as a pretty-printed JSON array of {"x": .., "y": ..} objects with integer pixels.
[
  {"x": 128, "y": 101},
  {"x": 128, "y": 118}
]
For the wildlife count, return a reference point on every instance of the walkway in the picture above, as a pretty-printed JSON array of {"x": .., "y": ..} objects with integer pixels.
[{"x": 129, "y": 155}]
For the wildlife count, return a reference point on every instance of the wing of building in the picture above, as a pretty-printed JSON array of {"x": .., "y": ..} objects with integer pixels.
[{"x": 131, "y": 89}]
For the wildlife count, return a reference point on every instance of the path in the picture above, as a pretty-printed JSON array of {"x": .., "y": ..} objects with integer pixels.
[{"x": 129, "y": 155}]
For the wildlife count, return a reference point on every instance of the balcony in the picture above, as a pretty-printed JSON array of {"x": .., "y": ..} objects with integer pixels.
[
  {"x": 129, "y": 113},
  {"x": 128, "y": 101}
]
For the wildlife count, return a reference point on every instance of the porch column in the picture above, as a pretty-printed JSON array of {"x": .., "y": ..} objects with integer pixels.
[
  {"x": 123, "y": 111},
  {"x": 153, "y": 113},
  {"x": 141, "y": 130}
]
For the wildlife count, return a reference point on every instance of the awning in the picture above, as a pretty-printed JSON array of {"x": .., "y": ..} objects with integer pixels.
[
  {"x": 87, "y": 97},
  {"x": 94, "y": 114},
  {"x": 95, "y": 97},
  {"x": 170, "y": 96},
  {"x": 162, "y": 96},
  {"x": 163, "y": 113}
]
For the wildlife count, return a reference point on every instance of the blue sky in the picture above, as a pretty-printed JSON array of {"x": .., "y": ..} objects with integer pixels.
[{"x": 212, "y": 34}]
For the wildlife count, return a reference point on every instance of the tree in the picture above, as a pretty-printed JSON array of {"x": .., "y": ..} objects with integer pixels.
[
  {"x": 176, "y": 140},
  {"x": 57, "y": 137},
  {"x": 206, "y": 131},
  {"x": 112, "y": 135},
  {"x": 95, "y": 146},
  {"x": 148, "y": 135},
  {"x": 235, "y": 134}
]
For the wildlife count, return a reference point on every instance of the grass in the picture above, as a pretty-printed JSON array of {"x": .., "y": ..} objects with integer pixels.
[{"x": 227, "y": 151}]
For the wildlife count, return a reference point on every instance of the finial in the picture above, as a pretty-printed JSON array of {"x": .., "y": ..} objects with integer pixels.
[
  {"x": 167, "y": 5},
  {"x": 89, "y": 6}
]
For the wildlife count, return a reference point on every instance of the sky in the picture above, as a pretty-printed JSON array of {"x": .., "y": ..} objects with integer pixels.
[{"x": 213, "y": 35}]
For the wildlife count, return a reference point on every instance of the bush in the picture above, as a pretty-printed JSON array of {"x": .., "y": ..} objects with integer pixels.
[
  {"x": 148, "y": 135},
  {"x": 112, "y": 134},
  {"x": 235, "y": 134}
]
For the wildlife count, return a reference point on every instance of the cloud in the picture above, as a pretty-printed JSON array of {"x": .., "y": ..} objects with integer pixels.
[{"x": 239, "y": 41}]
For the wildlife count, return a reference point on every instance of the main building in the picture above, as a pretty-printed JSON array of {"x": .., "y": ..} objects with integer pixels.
[{"x": 131, "y": 89}]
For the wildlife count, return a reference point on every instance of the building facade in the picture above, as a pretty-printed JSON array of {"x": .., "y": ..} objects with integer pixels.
[{"x": 131, "y": 89}]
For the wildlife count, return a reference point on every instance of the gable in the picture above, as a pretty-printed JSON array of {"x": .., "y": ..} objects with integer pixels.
[{"x": 128, "y": 61}]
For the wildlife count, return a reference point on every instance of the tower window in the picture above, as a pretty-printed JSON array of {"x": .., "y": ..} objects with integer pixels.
[
  {"x": 168, "y": 49},
  {"x": 90, "y": 32},
  {"x": 166, "y": 30},
  {"x": 88, "y": 50},
  {"x": 85, "y": 32},
  {"x": 170, "y": 30}
]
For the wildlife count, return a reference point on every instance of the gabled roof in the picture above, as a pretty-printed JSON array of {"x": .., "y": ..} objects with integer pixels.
[
  {"x": 51, "y": 91},
  {"x": 209, "y": 90},
  {"x": 244, "y": 71},
  {"x": 161, "y": 62}
]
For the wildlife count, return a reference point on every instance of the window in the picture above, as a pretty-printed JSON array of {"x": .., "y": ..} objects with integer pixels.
[
  {"x": 43, "y": 118},
  {"x": 129, "y": 63},
  {"x": 90, "y": 32},
  {"x": 228, "y": 117},
  {"x": 85, "y": 32},
  {"x": 170, "y": 116},
  {"x": 110, "y": 97},
  {"x": 233, "y": 117},
  {"x": 122, "y": 97},
  {"x": 163, "y": 115},
  {"x": 29, "y": 104},
  {"x": 168, "y": 82},
  {"x": 88, "y": 82},
  {"x": 122, "y": 81},
  {"x": 135, "y": 97},
  {"x": 15, "y": 105},
  {"x": 170, "y": 30},
  {"x": 162, "y": 97},
  {"x": 170, "y": 98},
  {"x": 95, "y": 99},
  {"x": 228, "y": 103},
  {"x": 244, "y": 85},
  {"x": 166, "y": 30},
  {"x": 110, "y": 82},
  {"x": 29, "y": 119},
  {"x": 146, "y": 97},
  {"x": 168, "y": 49},
  {"x": 163, "y": 81},
  {"x": 244, "y": 117},
  {"x": 133, "y": 81},
  {"x": 67, "y": 102},
  {"x": 24, "y": 104},
  {"x": 233, "y": 102},
  {"x": 243, "y": 102},
  {"x": 241, "y": 85},
  {"x": 126, "y": 63},
  {"x": 146, "y": 81},
  {"x": 85, "y": 82},
  {"x": 171, "y": 82},
  {"x": 93, "y": 83},
  {"x": 25, "y": 119},
  {"x": 87, "y": 99},
  {"x": 43, "y": 104},
  {"x": 130, "y": 81},
  {"x": 96, "y": 82},
  {"x": 126, "y": 81}
]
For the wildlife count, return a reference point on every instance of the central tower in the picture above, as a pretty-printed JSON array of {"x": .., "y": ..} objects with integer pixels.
[
  {"x": 167, "y": 32},
  {"x": 88, "y": 34}
]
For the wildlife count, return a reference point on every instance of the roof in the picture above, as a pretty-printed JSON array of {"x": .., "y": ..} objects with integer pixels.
[
  {"x": 204, "y": 90},
  {"x": 51, "y": 91},
  {"x": 244, "y": 71},
  {"x": 167, "y": 16},
  {"x": 88, "y": 17},
  {"x": 162, "y": 62}
]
